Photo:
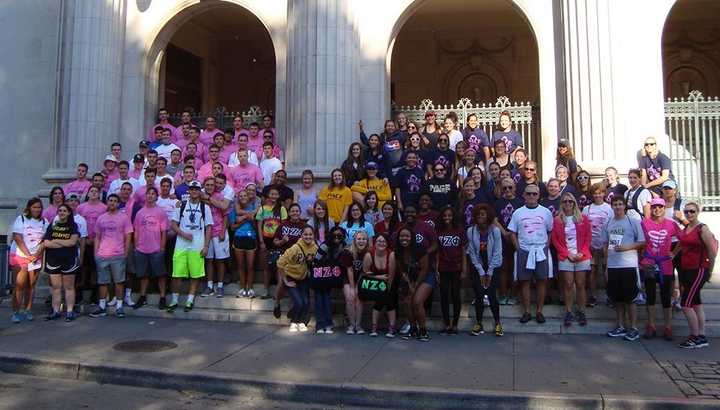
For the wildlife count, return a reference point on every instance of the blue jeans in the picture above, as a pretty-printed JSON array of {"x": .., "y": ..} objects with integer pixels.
[
  {"x": 323, "y": 309},
  {"x": 301, "y": 300}
]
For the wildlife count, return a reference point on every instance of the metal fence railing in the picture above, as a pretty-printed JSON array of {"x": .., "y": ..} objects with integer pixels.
[
  {"x": 693, "y": 127},
  {"x": 488, "y": 115},
  {"x": 224, "y": 117}
]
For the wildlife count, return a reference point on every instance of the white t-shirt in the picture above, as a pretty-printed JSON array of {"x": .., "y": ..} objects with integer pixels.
[
  {"x": 192, "y": 222},
  {"x": 165, "y": 150},
  {"x": 32, "y": 231},
  {"x": 570, "y": 234},
  {"x": 268, "y": 167},
  {"x": 531, "y": 226},
  {"x": 455, "y": 137},
  {"x": 623, "y": 231},
  {"x": 168, "y": 205},
  {"x": 599, "y": 216},
  {"x": 233, "y": 160},
  {"x": 228, "y": 193},
  {"x": 118, "y": 183}
]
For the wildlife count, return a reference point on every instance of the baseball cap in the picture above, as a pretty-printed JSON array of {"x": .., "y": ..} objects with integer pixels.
[
  {"x": 138, "y": 158},
  {"x": 371, "y": 165},
  {"x": 194, "y": 184},
  {"x": 563, "y": 142},
  {"x": 144, "y": 144},
  {"x": 657, "y": 201},
  {"x": 669, "y": 184},
  {"x": 110, "y": 157},
  {"x": 72, "y": 195}
]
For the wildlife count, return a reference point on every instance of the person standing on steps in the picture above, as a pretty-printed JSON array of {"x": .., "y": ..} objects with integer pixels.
[
  {"x": 530, "y": 228},
  {"x": 293, "y": 267},
  {"x": 150, "y": 237},
  {"x": 61, "y": 261},
  {"x": 192, "y": 222}
]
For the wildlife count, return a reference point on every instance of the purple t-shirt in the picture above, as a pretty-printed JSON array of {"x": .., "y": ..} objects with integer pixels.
[
  {"x": 149, "y": 224},
  {"x": 111, "y": 229},
  {"x": 512, "y": 139},
  {"x": 476, "y": 139}
]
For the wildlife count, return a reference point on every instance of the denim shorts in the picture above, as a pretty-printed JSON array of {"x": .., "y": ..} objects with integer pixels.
[
  {"x": 149, "y": 264},
  {"x": 110, "y": 270}
]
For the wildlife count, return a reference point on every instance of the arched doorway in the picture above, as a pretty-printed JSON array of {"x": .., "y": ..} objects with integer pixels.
[
  {"x": 214, "y": 54},
  {"x": 691, "y": 80},
  {"x": 447, "y": 50}
]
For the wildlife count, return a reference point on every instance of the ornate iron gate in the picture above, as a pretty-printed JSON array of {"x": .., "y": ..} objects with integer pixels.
[{"x": 224, "y": 117}]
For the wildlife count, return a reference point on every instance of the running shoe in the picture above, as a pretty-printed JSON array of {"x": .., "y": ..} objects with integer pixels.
[
  {"x": 701, "y": 341},
  {"x": 302, "y": 327},
  {"x": 220, "y": 293},
  {"x": 453, "y": 331},
  {"x": 649, "y": 332},
  {"x": 70, "y": 316},
  {"x": 251, "y": 293},
  {"x": 242, "y": 293},
  {"x": 277, "y": 312},
  {"x": 390, "y": 333},
  {"x": 502, "y": 300},
  {"x": 171, "y": 307},
  {"x": 689, "y": 343},
  {"x": 319, "y": 331},
  {"x": 142, "y": 301},
  {"x": 667, "y": 334},
  {"x": 568, "y": 319},
  {"x": 405, "y": 328},
  {"x": 540, "y": 318},
  {"x": 499, "y": 330},
  {"x": 266, "y": 296},
  {"x": 112, "y": 302},
  {"x": 329, "y": 330},
  {"x": 359, "y": 330},
  {"x": 511, "y": 301},
  {"x": 374, "y": 332},
  {"x": 591, "y": 302},
  {"x": 29, "y": 316},
  {"x": 98, "y": 312},
  {"x": 525, "y": 317},
  {"x": 129, "y": 302},
  {"x": 207, "y": 292},
  {"x": 16, "y": 317},
  {"x": 617, "y": 332},
  {"x": 445, "y": 331},
  {"x": 409, "y": 335},
  {"x": 293, "y": 327},
  {"x": 120, "y": 313},
  {"x": 424, "y": 336},
  {"x": 581, "y": 318},
  {"x": 632, "y": 335},
  {"x": 640, "y": 299},
  {"x": 477, "y": 329},
  {"x": 350, "y": 330},
  {"x": 162, "y": 304},
  {"x": 52, "y": 316},
  {"x": 188, "y": 306}
]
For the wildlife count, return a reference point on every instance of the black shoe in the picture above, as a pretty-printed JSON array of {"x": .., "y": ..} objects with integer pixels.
[
  {"x": 277, "y": 312},
  {"x": 424, "y": 336},
  {"x": 142, "y": 301},
  {"x": 539, "y": 317},
  {"x": 525, "y": 318},
  {"x": 189, "y": 306},
  {"x": 171, "y": 307},
  {"x": 412, "y": 333},
  {"x": 266, "y": 296},
  {"x": 162, "y": 304},
  {"x": 445, "y": 331},
  {"x": 592, "y": 302},
  {"x": 453, "y": 331},
  {"x": 289, "y": 313}
]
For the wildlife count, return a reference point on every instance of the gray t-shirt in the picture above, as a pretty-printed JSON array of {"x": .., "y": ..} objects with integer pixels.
[{"x": 623, "y": 231}]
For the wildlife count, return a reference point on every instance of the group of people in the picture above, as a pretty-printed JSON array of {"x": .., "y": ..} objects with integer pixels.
[{"x": 412, "y": 209}]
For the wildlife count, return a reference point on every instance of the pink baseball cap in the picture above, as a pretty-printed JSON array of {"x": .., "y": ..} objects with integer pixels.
[{"x": 657, "y": 201}]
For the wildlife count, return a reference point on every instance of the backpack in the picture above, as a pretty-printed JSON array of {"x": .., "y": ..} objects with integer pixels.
[
  {"x": 705, "y": 261},
  {"x": 633, "y": 201},
  {"x": 183, "y": 204}
]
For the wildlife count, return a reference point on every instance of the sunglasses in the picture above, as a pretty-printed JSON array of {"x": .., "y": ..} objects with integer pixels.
[
  {"x": 649, "y": 144},
  {"x": 532, "y": 193},
  {"x": 562, "y": 146},
  {"x": 568, "y": 201},
  {"x": 657, "y": 206},
  {"x": 530, "y": 169},
  {"x": 507, "y": 188},
  {"x": 689, "y": 211},
  {"x": 582, "y": 177},
  {"x": 412, "y": 126},
  {"x": 439, "y": 169},
  {"x": 443, "y": 140}
]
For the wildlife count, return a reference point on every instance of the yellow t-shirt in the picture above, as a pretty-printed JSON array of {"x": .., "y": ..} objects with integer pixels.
[{"x": 337, "y": 199}]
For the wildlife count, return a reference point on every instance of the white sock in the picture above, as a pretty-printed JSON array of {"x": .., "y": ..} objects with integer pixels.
[
  {"x": 191, "y": 298},
  {"x": 102, "y": 303},
  {"x": 175, "y": 298},
  {"x": 119, "y": 304},
  {"x": 128, "y": 293},
  {"x": 220, "y": 285},
  {"x": 210, "y": 284}
]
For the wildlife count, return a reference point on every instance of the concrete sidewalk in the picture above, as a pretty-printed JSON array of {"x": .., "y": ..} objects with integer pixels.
[{"x": 565, "y": 370}]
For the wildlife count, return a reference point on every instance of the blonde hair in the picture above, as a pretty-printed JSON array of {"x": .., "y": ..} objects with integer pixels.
[
  {"x": 577, "y": 216},
  {"x": 353, "y": 245},
  {"x": 498, "y": 191}
]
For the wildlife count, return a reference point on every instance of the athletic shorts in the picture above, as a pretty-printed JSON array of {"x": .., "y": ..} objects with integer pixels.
[
  {"x": 110, "y": 270},
  {"x": 218, "y": 249},
  {"x": 567, "y": 266},
  {"x": 622, "y": 284},
  {"x": 543, "y": 269},
  {"x": 691, "y": 282},
  {"x": 244, "y": 243},
  {"x": 598, "y": 257},
  {"x": 149, "y": 264},
  {"x": 431, "y": 279},
  {"x": 69, "y": 268},
  {"x": 18, "y": 261},
  {"x": 188, "y": 264}
]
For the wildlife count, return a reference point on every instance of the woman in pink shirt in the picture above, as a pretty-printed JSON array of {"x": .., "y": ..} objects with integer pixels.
[
  {"x": 57, "y": 198},
  {"x": 657, "y": 267}
]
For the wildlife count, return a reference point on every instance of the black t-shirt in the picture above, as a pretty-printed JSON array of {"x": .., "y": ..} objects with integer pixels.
[
  {"x": 520, "y": 188},
  {"x": 504, "y": 209},
  {"x": 655, "y": 167},
  {"x": 445, "y": 158},
  {"x": 409, "y": 182},
  {"x": 443, "y": 191},
  {"x": 618, "y": 190},
  {"x": 467, "y": 209},
  {"x": 552, "y": 204},
  {"x": 285, "y": 192},
  {"x": 61, "y": 256}
]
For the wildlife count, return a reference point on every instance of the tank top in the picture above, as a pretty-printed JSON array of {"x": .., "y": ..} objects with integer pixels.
[
  {"x": 306, "y": 201},
  {"x": 692, "y": 247},
  {"x": 376, "y": 270}
]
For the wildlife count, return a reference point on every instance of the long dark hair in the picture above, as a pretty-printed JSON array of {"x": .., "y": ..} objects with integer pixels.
[
  {"x": 277, "y": 208},
  {"x": 333, "y": 249},
  {"x": 55, "y": 189},
  {"x": 30, "y": 203},
  {"x": 348, "y": 217},
  {"x": 412, "y": 252},
  {"x": 70, "y": 218},
  {"x": 395, "y": 219},
  {"x": 454, "y": 223}
]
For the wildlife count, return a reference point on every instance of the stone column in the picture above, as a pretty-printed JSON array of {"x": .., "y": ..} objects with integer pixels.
[
  {"x": 91, "y": 62},
  {"x": 323, "y": 90}
]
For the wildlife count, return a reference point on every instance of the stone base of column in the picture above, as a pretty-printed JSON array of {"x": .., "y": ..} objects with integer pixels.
[{"x": 59, "y": 176}]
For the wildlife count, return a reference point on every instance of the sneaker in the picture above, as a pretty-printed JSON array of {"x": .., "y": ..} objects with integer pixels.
[
  {"x": 52, "y": 316},
  {"x": 445, "y": 331},
  {"x": 667, "y": 334},
  {"x": 486, "y": 300},
  {"x": 676, "y": 305},
  {"x": 120, "y": 313},
  {"x": 112, "y": 302},
  {"x": 374, "y": 332},
  {"x": 98, "y": 312},
  {"x": 129, "y": 302},
  {"x": 701, "y": 341},
  {"x": 582, "y": 319},
  {"x": 293, "y": 327},
  {"x": 302, "y": 327},
  {"x": 29, "y": 316},
  {"x": 477, "y": 329},
  {"x": 220, "y": 293},
  {"x": 405, "y": 328},
  {"x": 568, "y": 319},
  {"x": 171, "y": 307},
  {"x": 359, "y": 331},
  {"x": 70, "y": 316},
  {"x": 188, "y": 306},
  {"x": 412, "y": 333},
  {"x": 649, "y": 332},
  {"x": 617, "y": 332},
  {"x": 453, "y": 331},
  {"x": 207, "y": 292},
  {"x": 251, "y": 293},
  {"x": 162, "y": 304},
  {"x": 632, "y": 335},
  {"x": 350, "y": 330},
  {"x": 319, "y": 331},
  {"x": 591, "y": 302},
  {"x": 539, "y": 318},
  {"x": 242, "y": 293},
  {"x": 266, "y": 296},
  {"x": 525, "y": 317},
  {"x": 689, "y": 343},
  {"x": 142, "y": 301},
  {"x": 16, "y": 317},
  {"x": 424, "y": 336},
  {"x": 511, "y": 301},
  {"x": 391, "y": 333},
  {"x": 276, "y": 312},
  {"x": 329, "y": 331},
  {"x": 499, "y": 330},
  {"x": 502, "y": 300}
]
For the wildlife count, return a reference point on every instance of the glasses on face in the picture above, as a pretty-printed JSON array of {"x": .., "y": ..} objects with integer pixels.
[
  {"x": 568, "y": 201},
  {"x": 582, "y": 178},
  {"x": 649, "y": 144},
  {"x": 443, "y": 140},
  {"x": 439, "y": 169},
  {"x": 532, "y": 193},
  {"x": 530, "y": 169},
  {"x": 507, "y": 188},
  {"x": 690, "y": 211},
  {"x": 412, "y": 127}
]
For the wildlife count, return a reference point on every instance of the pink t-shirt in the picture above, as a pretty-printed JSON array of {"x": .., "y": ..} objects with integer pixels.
[
  {"x": 111, "y": 229},
  {"x": 226, "y": 152},
  {"x": 151, "y": 132},
  {"x": 658, "y": 243},
  {"x": 178, "y": 134},
  {"x": 91, "y": 212},
  {"x": 255, "y": 144},
  {"x": 149, "y": 224},
  {"x": 139, "y": 194},
  {"x": 109, "y": 178},
  {"x": 201, "y": 152},
  {"x": 237, "y": 133},
  {"x": 207, "y": 136},
  {"x": 49, "y": 212},
  {"x": 218, "y": 215},
  {"x": 77, "y": 187},
  {"x": 241, "y": 176},
  {"x": 135, "y": 173}
]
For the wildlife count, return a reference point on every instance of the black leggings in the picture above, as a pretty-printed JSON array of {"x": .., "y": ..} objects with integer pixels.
[
  {"x": 480, "y": 292},
  {"x": 450, "y": 290},
  {"x": 665, "y": 291}
]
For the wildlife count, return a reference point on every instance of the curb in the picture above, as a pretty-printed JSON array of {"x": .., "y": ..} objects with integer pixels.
[{"x": 346, "y": 394}]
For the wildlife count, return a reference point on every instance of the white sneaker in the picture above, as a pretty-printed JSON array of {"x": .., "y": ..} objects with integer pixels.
[
  {"x": 329, "y": 331},
  {"x": 129, "y": 302},
  {"x": 350, "y": 331},
  {"x": 113, "y": 302},
  {"x": 293, "y": 327},
  {"x": 241, "y": 293},
  {"x": 319, "y": 331},
  {"x": 359, "y": 331},
  {"x": 405, "y": 328},
  {"x": 302, "y": 327},
  {"x": 251, "y": 293}
]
